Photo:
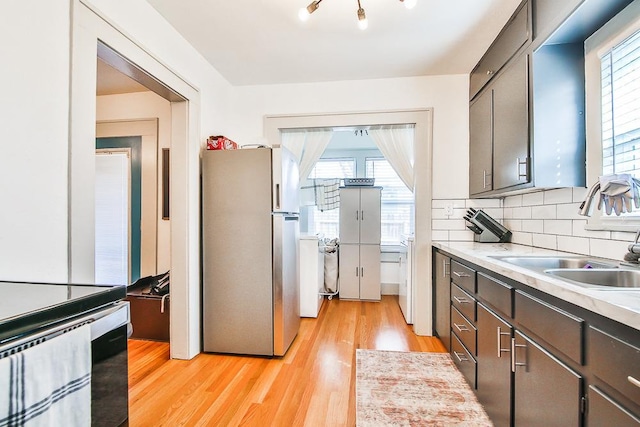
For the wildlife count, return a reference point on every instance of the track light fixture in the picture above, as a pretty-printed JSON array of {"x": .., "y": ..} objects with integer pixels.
[{"x": 363, "y": 23}]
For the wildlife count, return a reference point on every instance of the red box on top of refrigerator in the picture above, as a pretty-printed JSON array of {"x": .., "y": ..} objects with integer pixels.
[{"x": 220, "y": 142}]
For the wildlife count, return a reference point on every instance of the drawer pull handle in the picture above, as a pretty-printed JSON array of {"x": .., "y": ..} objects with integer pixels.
[
  {"x": 461, "y": 357},
  {"x": 460, "y": 274},
  {"x": 445, "y": 264},
  {"x": 514, "y": 363},
  {"x": 461, "y": 300},
  {"x": 461, "y": 328},
  {"x": 633, "y": 381},
  {"x": 500, "y": 349}
]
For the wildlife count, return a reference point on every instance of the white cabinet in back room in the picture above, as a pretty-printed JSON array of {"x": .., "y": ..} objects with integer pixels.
[{"x": 360, "y": 243}]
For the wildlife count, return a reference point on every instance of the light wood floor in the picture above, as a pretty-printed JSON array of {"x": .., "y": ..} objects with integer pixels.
[{"x": 313, "y": 385}]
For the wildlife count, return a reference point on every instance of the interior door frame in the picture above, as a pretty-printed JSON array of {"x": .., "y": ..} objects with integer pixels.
[{"x": 423, "y": 191}]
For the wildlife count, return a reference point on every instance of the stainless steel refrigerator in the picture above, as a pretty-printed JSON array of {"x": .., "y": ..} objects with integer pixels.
[{"x": 250, "y": 227}]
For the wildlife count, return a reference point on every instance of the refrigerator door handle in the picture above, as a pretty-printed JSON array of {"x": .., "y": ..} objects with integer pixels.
[{"x": 277, "y": 196}]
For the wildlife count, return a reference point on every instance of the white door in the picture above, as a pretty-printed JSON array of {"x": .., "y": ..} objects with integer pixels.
[
  {"x": 370, "y": 272},
  {"x": 112, "y": 217},
  {"x": 349, "y": 271}
]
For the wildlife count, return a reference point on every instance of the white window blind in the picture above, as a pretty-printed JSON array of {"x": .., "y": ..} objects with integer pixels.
[
  {"x": 620, "y": 82},
  {"x": 112, "y": 218},
  {"x": 327, "y": 223},
  {"x": 397, "y": 204}
]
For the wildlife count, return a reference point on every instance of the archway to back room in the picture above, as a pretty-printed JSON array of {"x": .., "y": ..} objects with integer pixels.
[
  {"x": 422, "y": 120},
  {"x": 132, "y": 222}
]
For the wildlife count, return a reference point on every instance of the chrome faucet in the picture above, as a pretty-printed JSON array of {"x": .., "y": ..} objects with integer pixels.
[{"x": 586, "y": 207}]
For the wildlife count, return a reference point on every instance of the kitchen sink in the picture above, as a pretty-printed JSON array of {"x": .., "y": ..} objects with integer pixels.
[
  {"x": 555, "y": 262},
  {"x": 599, "y": 278}
]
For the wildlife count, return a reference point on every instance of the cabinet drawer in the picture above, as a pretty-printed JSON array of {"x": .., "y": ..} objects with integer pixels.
[
  {"x": 465, "y": 303},
  {"x": 464, "y": 330},
  {"x": 615, "y": 362},
  {"x": 464, "y": 361},
  {"x": 513, "y": 36},
  {"x": 604, "y": 411},
  {"x": 497, "y": 294},
  {"x": 463, "y": 276},
  {"x": 557, "y": 327}
]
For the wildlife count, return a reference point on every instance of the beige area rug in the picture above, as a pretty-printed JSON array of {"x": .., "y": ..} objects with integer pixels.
[{"x": 413, "y": 389}]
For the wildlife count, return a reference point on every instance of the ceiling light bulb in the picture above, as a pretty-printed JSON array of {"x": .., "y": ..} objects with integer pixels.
[
  {"x": 409, "y": 4},
  {"x": 363, "y": 23},
  {"x": 303, "y": 14}
]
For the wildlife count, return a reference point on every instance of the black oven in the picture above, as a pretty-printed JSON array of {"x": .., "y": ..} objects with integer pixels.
[{"x": 109, "y": 372}]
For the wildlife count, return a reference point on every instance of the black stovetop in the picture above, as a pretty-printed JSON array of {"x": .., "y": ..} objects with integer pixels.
[{"x": 25, "y": 307}]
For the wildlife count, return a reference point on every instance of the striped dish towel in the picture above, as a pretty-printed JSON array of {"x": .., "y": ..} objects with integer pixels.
[{"x": 48, "y": 384}]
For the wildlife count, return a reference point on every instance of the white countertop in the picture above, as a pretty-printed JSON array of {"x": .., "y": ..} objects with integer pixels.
[{"x": 620, "y": 305}]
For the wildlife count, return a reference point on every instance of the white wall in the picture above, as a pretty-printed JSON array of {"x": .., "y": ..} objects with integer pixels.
[
  {"x": 34, "y": 43},
  {"x": 447, "y": 95}
]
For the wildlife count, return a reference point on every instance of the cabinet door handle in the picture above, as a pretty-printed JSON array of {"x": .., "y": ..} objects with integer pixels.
[
  {"x": 361, "y": 215},
  {"x": 484, "y": 178},
  {"x": 520, "y": 163},
  {"x": 457, "y": 274},
  {"x": 445, "y": 264},
  {"x": 461, "y": 357},
  {"x": 357, "y": 214},
  {"x": 461, "y": 300},
  {"x": 500, "y": 349},
  {"x": 514, "y": 363},
  {"x": 490, "y": 72},
  {"x": 361, "y": 271},
  {"x": 633, "y": 381},
  {"x": 357, "y": 271},
  {"x": 461, "y": 328}
]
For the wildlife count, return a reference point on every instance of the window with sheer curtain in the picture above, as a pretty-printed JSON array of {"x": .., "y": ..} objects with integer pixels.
[
  {"x": 397, "y": 204},
  {"x": 327, "y": 223}
]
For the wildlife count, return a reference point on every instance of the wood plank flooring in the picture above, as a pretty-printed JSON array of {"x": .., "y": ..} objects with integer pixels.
[{"x": 312, "y": 385}]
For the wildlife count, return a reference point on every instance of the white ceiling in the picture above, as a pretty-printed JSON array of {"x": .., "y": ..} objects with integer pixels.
[{"x": 254, "y": 42}]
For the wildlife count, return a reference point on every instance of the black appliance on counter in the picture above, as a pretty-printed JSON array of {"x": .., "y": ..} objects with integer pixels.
[
  {"x": 31, "y": 313},
  {"x": 485, "y": 228}
]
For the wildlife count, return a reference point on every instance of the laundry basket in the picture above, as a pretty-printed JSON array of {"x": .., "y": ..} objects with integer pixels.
[{"x": 331, "y": 249}]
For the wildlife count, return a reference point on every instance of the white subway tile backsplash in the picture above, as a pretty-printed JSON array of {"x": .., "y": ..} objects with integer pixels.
[
  {"x": 579, "y": 230},
  {"x": 558, "y": 226},
  {"x": 439, "y": 235},
  {"x": 544, "y": 212},
  {"x": 512, "y": 201},
  {"x": 546, "y": 241},
  {"x": 547, "y": 219},
  {"x": 568, "y": 211},
  {"x": 533, "y": 199},
  {"x": 522, "y": 213},
  {"x": 561, "y": 195},
  {"x": 448, "y": 224},
  {"x": 484, "y": 203},
  {"x": 579, "y": 193},
  {"x": 513, "y": 224},
  {"x": 522, "y": 238},
  {"x": 461, "y": 236},
  {"x": 579, "y": 245},
  {"x": 613, "y": 249},
  {"x": 533, "y": 225}
]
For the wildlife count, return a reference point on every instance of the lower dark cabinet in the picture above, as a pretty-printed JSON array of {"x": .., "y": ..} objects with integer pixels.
[
  {"x": 494, "y": 366},
  {"x": 546, "y": 391},
  {"x": 605, "y": 412}
]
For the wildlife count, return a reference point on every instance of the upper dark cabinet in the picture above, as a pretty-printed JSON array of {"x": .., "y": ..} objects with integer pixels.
[
  {"x": 513, "y": 36},
  {"x": 549, "y": 14}
]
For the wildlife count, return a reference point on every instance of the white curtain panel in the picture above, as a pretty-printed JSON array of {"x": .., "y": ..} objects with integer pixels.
[
  {"x": 294, "y": 142},
  {"x": 396, "y": 145},
  {"x": 315, "y": 144},
  {"x": 307, "y": 146}
]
